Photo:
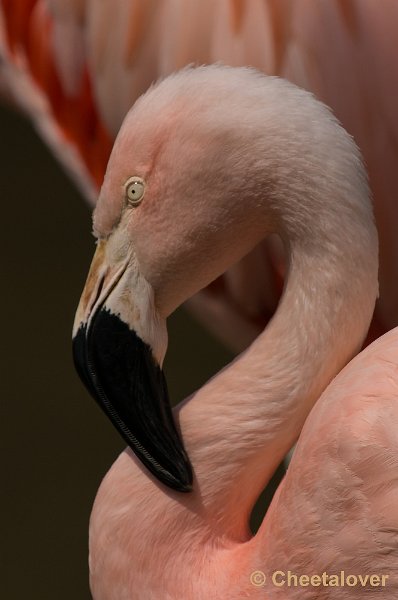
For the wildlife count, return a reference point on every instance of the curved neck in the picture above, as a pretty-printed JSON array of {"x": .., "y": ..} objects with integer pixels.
[{"x": 240, "y": 425}]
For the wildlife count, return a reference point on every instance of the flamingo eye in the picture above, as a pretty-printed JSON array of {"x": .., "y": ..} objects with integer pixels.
[{"x": 135, "y": 189}]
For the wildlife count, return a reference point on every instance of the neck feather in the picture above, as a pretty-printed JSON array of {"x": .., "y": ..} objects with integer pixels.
[{"x": 240, "y": 425}]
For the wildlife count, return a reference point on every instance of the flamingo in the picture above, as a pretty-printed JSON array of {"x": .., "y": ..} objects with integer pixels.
[
  {"x": 208, "y": 162},
  {"x": 76, "y": 68}
]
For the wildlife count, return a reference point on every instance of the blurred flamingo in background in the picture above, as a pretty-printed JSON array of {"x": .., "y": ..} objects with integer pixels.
[
  {"x": 77, "y": 66},
  {"x": 253, "y": 155}
]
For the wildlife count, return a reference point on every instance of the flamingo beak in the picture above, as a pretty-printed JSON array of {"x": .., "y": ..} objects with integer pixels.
[{"x": 122, "y": 372}]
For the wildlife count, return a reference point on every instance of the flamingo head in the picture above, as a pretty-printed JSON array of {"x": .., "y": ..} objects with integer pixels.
[
  {"x": 182, "y": 199},
  {"x": 173, "y": 203}
]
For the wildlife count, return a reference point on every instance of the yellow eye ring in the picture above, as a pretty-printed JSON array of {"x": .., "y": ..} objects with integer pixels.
[{"x": 134, "y": 190}]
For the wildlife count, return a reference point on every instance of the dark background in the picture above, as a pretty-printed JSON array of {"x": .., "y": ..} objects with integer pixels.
[{"x": 57, "y": 444}]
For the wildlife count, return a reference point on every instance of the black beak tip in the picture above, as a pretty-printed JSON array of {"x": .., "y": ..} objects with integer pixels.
[
  {"x": 181, "y": 486},
  {"x": 186, "y": 489},
  {"x": 121, "y": 374},
  {"x": 177, "y": 475},
  {"x": 181, "y": 483}
]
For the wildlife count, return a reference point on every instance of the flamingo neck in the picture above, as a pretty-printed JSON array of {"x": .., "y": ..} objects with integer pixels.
[{"x": 240, "y": 425}]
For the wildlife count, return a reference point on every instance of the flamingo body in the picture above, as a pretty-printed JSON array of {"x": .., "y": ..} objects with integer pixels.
[
  {"x": 336, "y": 510},
  {"x": 146, "y": 540}
]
